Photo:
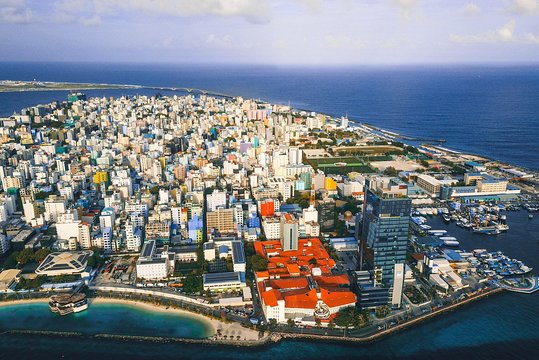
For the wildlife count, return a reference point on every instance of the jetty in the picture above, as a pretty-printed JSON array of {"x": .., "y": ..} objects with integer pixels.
[{"x": 515, "y": 285}]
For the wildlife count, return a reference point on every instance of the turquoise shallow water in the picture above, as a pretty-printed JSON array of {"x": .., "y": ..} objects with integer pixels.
[
  {"x": 505, "y": 326},
  {"x": 110, "y": 318}
]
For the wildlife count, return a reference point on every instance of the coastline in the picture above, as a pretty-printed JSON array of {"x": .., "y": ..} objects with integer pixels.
[
  {"x": 356, "y": 123},
  {"x": 219, "y": 332},
  {"x": 252, "y": 341}
]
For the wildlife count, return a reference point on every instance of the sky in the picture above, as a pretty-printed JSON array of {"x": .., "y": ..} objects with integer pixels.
[{"x": 271, "y": 31}]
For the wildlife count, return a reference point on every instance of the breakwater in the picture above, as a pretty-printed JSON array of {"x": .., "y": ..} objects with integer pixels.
[
  {"x": 268, "y": 337},
  {"x": 397, "y": 328},
  {"x": 266, "y": 340}
]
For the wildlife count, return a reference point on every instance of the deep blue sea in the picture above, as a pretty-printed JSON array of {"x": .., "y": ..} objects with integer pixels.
[
  {"x": 489, "y": 110},
  {"x": 492, "y": 111}
]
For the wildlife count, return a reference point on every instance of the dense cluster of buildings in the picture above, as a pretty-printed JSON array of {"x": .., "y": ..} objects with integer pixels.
[{"x": 183, "y": 180}]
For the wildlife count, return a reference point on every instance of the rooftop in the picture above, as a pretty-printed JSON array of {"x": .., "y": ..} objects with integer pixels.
[{"x": 69, "y": 262}]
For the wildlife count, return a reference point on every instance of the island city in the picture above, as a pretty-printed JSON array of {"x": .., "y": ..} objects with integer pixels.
[{"x": 262, "y": 221}]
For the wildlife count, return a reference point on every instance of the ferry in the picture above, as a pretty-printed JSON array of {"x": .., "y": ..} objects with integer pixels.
[
  {"x": 449, "y": 241},
  {"x": 437, "y": 232},
  {"x": 64, "y": 304},
  {"x": 486, "y": 230}
]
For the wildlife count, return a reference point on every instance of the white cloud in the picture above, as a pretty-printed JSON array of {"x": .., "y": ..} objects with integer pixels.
[
  {"x": 525, "y": 7},
  {"x": 15, "y": 12},
  {"x": 470, "y": 9},
  {"x": 503, "y": 34},
  {"x": 342, "y": 42},
  {"x": 406, "y": 7},
  {"x": 92, "y": 21},
  {"x": 223, "y": 41},
  {"x": 256, "y": 11},
  {"x": 531, "y": 38},
  {"x": 313, "y": 5}
]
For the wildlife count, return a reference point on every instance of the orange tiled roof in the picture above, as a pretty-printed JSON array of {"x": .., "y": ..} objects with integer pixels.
[
  {"x": 262, "y": 275},
  {"x": 300, "y": 299},
  {"x": 270, "y": 297},
  {"x": 337, "y": 298},
  {"x": 288, "y": 283},
  {"x": 293, "y": 269},
  {"x": 332, "y": 280}
]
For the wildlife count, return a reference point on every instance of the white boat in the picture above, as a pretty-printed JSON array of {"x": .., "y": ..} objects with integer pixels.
[
  {"x": 437, "y": 232},
  {"x": 451, "y": 243},
  {"x": 64, "y": 304}
]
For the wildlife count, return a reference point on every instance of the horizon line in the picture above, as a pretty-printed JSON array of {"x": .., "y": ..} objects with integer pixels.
[{"x": 288, "y": 64}]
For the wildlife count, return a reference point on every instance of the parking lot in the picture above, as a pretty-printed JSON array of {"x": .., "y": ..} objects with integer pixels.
[{"x": 117, "y": 270}]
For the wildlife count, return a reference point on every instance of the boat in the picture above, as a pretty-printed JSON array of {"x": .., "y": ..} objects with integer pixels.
[
  {"x": 502, "y": 227},
  {"x": 64, "y": 304},
  {"x": 451, "y": 243},
  {"x": 530, "y": 216},
  {"x": 486, "y": 230},
  {"x": 446, "y": 218}
]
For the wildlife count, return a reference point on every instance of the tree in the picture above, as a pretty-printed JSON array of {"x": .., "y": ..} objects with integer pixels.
[
  {"x": 11, "y": 261},
  {"x": 192, "y": 284},
  {"x": 331, "y": 325},
  {"x": 390, "y": 171},
  {"x": 258, "y": 263},
  {"x": 25, "y": 256},
  {"x": 345, "y": 317},
  {"x": 382, "y": 311},
  {"x": 41, "y": 254},
  {"x": 291, "y": 322}
]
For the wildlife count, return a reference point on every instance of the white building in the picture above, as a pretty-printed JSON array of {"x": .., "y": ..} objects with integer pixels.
[
  {"x": 272, "y": 228},
  {"x": 150, "y": 267},
  {"x": 107, "y": 218},
  {"x": 310, "y": 214},
  {"x": 224, "y": 281},
  {"x": 133, "y": 237},
  {"x": 216, "y": 199},
  {"x": 54, "y": 206}
]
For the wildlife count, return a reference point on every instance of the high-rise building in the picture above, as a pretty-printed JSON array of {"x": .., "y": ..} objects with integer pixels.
[
  {"x": 133, "y": 237},
  {"x": 216, "y": 199},
  {"x": 289, "y": 232},
  {"x": 326, "y": 214},
  {"x": 4, "y": 244},
  {"x": 107, "y": 217},
  {"x": 85, "y": 241},
  {"x": 385, "y": 230}
]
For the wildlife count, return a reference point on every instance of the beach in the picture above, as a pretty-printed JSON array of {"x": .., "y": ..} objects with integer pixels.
[
  {"x": 219, "y": 330},
  {"x": 224, "y": 328}
]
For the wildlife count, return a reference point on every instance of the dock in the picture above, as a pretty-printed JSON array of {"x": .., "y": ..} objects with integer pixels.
[{"x": 534, "y": 285}]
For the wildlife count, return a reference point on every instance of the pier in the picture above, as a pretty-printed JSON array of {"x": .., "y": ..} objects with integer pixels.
[{"x": 533, "y": 287}]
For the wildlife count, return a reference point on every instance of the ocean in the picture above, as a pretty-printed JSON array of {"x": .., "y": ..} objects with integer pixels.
[{"x": 488, "y": 110}]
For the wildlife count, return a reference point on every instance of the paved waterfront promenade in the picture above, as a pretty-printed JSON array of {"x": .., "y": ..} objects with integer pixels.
[{"x": 534, "y": 286}]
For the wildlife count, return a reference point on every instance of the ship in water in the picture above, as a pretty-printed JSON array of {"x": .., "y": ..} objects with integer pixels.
[
  {"x": 486, "y": 230},
  {"x": 64, "y": 304}
]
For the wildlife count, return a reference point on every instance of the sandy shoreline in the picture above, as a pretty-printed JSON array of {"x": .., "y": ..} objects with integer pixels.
[
  {"x": 236, "y": 335},
  {"x": 23, "y": 301},
  {"x": 218, "y": 328}
]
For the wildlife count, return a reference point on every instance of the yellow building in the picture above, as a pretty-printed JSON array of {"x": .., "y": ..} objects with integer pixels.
[
  {"x": 330, "y": 184},
  {"x": 101, "y": 177}
]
